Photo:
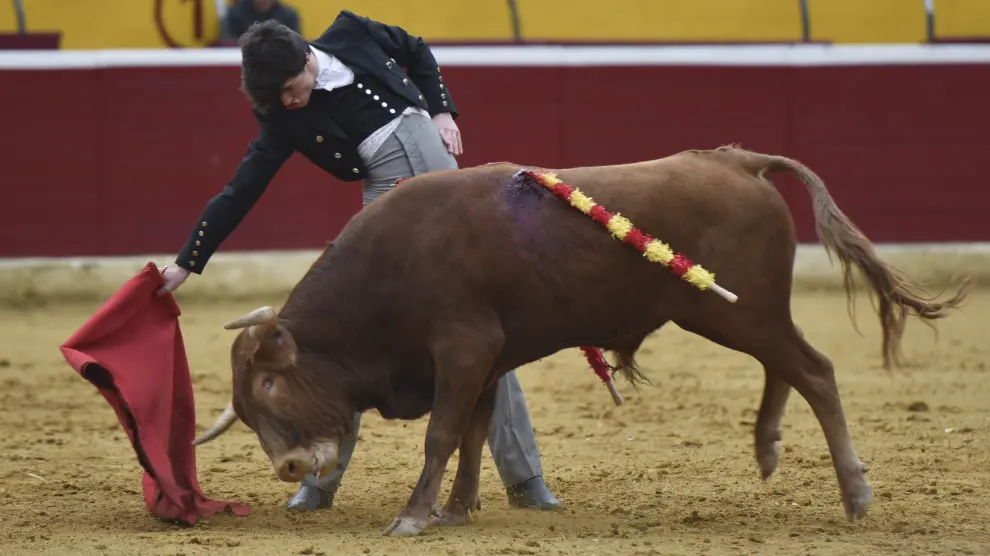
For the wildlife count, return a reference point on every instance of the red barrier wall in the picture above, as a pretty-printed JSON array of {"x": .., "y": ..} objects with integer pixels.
[{"x": 121, "y": 160}]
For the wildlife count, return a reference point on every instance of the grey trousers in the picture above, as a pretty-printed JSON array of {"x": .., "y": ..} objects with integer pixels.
[{"x": 416, "y": 148}]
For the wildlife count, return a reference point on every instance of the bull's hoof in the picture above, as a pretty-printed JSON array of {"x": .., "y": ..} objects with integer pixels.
[
  {"x": 310, "y": 498},
  {"x": 768, "y": 452},
  {"x": 452, "y": 517},
  {"x": 405, "y": 527},
  {"x": 858, "y": 503},
  {"x": 767, "y": 457}
]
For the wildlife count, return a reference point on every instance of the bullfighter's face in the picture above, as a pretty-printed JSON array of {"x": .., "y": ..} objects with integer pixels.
[
  {"x": 277, "y": 398},
  {"x": 298, "y": 88}
]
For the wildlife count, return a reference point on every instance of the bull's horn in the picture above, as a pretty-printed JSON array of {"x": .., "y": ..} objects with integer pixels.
[
  {"x": 261, "y": 315},
  {"x": 223, "y": 423}
]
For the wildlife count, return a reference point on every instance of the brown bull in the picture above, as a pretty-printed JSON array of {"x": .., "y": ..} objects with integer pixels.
[{"x": 434, "y": 291}]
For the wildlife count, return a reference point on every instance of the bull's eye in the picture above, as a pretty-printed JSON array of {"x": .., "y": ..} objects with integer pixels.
[{"x": 267, "y": 383}]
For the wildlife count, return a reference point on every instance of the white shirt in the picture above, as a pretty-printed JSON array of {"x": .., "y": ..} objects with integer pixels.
[{"x": 331, "y": 74}]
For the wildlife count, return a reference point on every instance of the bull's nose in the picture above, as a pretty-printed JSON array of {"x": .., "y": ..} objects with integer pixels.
[{"x": 293, "y": 469}]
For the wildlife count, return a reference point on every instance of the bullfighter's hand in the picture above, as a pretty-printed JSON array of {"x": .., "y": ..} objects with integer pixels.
[
  {"x": 449, "y": 133},
  {"x": 174, "y": 277}
]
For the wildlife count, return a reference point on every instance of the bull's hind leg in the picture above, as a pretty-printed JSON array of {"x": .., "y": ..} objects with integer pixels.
[
  {"x": 767, "y": 434},
  {"x": 464, "y": 494},
  {"x": 789, "y": 360},
  {"x": 815, "y": 380},
  {"x": 788, "y": 357},
  {"x": 463, "y": 355}
]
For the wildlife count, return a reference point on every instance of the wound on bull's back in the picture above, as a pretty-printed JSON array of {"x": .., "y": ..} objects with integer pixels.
[
  {"x": 526, "y": 202},
  {"x": 522, "y": 198}
]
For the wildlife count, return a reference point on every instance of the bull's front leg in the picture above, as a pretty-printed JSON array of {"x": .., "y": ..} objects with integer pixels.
[
  {"x": 461, "y": 367},
  {"x": 442, "y": 436},
  {"x": 464, "y": 495}
]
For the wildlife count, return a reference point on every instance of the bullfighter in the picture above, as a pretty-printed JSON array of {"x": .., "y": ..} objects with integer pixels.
[{"x": 345, "y": 102}]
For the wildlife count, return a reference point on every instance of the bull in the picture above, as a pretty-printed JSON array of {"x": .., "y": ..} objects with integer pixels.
[{"x": 490, "y": 271}]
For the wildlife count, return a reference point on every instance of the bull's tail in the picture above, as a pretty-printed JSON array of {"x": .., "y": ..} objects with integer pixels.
[{"x": 897, "y": 297}]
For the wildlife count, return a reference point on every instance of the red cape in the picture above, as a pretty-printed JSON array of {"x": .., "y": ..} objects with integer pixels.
[{"x": 132, "y": 351}]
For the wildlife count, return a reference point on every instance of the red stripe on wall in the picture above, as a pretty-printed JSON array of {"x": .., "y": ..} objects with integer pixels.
[{"x": 121, "y": 161}]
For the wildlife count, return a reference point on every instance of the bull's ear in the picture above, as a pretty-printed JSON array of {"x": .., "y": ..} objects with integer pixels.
[
  {"x": 276, "y": 347},
  {"x": 268, "y": 342}
]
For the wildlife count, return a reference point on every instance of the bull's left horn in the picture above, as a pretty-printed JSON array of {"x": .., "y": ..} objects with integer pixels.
[
  {"x": 261, "y": 315},
  {"x": 223, "y": 423}
]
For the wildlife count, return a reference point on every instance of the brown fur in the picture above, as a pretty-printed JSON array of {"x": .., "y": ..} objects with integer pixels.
[{"x": 437, "y": 289}]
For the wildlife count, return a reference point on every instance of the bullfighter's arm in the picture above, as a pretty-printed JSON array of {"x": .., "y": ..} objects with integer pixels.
[
  {"x": 265, "y": 155},
  {"x": 415, "y": 55}
]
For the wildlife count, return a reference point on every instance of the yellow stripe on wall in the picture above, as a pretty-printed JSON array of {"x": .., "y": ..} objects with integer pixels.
[
  {"x": 867, "y": 21},
  {"x": 962, "y": 18},
  {"x": 98, "y": 24},
  {"x": 95, "y": 24},
  {"x": 438, "y": 20},
  {"x": 663, "y": 20}
]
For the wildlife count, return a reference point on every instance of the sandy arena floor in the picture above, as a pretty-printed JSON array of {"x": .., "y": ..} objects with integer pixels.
[{"x": 670, "y": 472}]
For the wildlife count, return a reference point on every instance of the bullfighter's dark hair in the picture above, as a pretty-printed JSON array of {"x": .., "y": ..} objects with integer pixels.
[{"x": 271, "y": 54}]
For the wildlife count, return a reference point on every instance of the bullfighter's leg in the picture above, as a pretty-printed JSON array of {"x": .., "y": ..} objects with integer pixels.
[
  {"x": 414, "y": 148},
  {"x": 464, "y": 353},
  {"x": 513, "y": 447},
  {"x": 316, "y": 493},
  {"x": 464, "y": 494}
]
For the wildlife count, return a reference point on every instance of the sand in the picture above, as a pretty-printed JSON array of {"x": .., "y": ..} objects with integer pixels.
[{"x": 670, "y": 472}]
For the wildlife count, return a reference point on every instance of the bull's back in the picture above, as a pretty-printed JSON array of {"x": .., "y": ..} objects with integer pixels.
[
  {"x": 700, "y": 203},
  {"x": 705, "y": 204},
  {"x": 484, "y": 237},
  {"x": 709, "y": 205}
]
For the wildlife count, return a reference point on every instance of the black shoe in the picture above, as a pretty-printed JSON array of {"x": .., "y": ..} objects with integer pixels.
[
  {"x": 532, "y": 493},
  {"x": 310, "y": 498}
]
